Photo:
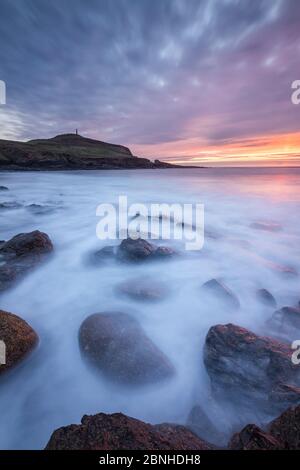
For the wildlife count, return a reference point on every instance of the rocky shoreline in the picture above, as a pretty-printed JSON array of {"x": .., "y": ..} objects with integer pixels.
[{"x": 246, "y": 369}]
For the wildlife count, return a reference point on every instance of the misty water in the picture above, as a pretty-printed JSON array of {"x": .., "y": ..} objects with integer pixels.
[{"x": 54, "y": 386}]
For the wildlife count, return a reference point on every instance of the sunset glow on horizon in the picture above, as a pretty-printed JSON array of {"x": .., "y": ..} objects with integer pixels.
[
  {"x": 273, "y": 150},
  {"x": 197, "y": 82}
]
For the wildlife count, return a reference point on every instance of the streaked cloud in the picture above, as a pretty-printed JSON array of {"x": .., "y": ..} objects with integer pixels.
[{"x": 156, "y": 75}]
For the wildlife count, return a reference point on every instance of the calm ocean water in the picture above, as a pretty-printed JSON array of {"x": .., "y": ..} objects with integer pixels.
[{"x": 55, "y": 387}]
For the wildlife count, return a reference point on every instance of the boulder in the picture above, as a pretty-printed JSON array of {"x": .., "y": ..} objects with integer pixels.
[
  {"x": 286, "y": 428},
  {"x": 249, "y": 367},
  {"x": 251, "y": 437},
  {"x": 203, "y": 427},
  {"x": 281, "y": 433},
  {"x": 116, "y": 344},
  {"x": 104, "y": 254},
  {"x": 20, "y": 254},
  {"x": 266, "y": 298},
  {"x": 144, "y": 289},
  {"x": 266, "y": 226},
  {"x": 219, "y": 290},
  {"x": 285, "y": 322},
  {"x": 19, "y": 339},
  {"x": 120, "y": 432},
  {"x": 141, "y": 250},
  {"x": 33, "y": 244}
]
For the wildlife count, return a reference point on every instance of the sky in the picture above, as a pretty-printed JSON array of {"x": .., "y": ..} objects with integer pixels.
[{"x": 200, "y": 82}]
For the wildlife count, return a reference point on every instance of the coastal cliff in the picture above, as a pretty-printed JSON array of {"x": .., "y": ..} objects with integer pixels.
[{"x": 70, "y": 152}]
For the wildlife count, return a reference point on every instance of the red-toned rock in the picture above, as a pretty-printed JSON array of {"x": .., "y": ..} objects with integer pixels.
[
  {"x": 20, "y": 254},
  {"x": 281, "y": 433},
  {"x": 251, "y": 367},
  {"x": 251, "y": 437},
  {"x": 120, "y": 432},
  {"x": 115, "y": 343},
  {"x": 19, "y": 339},
  {"x": 141, "y": 250},
  {"x": 286, "y": 428},
  {"x": 33, "y": 243}
]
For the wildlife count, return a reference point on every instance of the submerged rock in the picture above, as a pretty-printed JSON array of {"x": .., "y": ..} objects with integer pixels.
[
  {"x": 3, "y": 188},
  {"x": 116, "y": 344},
  {"x": 266, "y": 226},
  {"x": 120, "y": 432},
  {"x": 40, "y": 209},
  {"x": 221, "y": 291},
  {"x": 141, "y": 250},
  {"x": 202, "y": 426},
  {"x": 285, "y": 322},
  {"x": 265, "y": 297},
  {"x": 20, "y": 254},
  {"x": 133, "y": 251},
  {"x": 10, "y": 205},
  {"x": 144, "y": 289},
  {"x": 104, "y": 254},
  {"x": 19, "y": 339},
  {"x": 250, "y": 367}
]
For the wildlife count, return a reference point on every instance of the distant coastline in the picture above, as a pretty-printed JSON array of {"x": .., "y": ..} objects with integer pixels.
[{"x": 72, "y": 152}]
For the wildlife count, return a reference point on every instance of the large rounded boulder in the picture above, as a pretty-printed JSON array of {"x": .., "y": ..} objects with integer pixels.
[
  {"x": 117, "y": 345},
  {"x": 18, "y": 339},
  {"x": 20, "y": 254}
]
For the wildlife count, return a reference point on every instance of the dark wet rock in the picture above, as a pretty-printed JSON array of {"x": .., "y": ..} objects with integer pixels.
[
  {"x": 33, "y": 244},
  {"x": 144, "y": 289},
  {"x": 265, "y": 297},
  {"x": 285, "y": 322},
  {"x": 281, "y": 433},
  {"x": 9, "y": 205},
  {"x": 141, "y": 250},
  {"x": 40, "y": 209},
  {"x": 20, "y": 254},
  {"x": 19, "y": 338},
  {"x": 116, "y": 344},
  {"x": 164, "y": 252},
  {"x": 3, "y": 188},
  {"x": 106, "y": 253},
  {"x": 286, "y": 428},
  {"x": 135, "y": 250},
  {"x": 202, "y": 426},
  {"x": 120, "y": 432},
  {"x": 251, "y": 437},
  {"x": 284, "y": 393},
  {"x": 266, "y": 226},
  {"x": 249, "y": 367},
  {"x": 220, "y": 290}
]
